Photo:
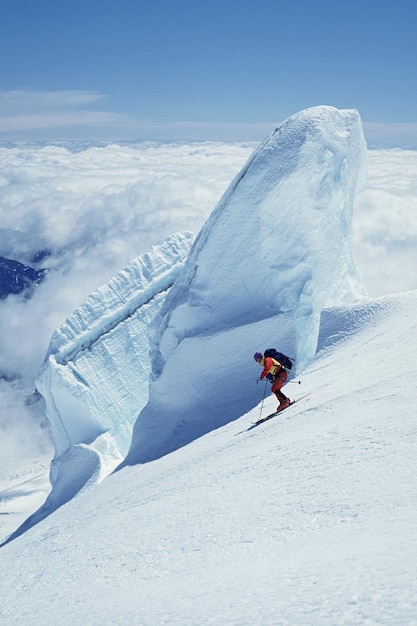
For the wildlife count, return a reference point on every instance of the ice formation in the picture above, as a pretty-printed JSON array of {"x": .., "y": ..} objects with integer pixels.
[
  {"x": 95, "y": 377},
  {"x": 276, "y": 250}
]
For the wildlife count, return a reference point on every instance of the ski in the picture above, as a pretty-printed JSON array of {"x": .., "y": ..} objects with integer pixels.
[{"x": 268, "y": 417}]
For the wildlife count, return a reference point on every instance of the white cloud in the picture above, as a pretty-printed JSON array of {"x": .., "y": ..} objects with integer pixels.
[
  {"x": 26, "y": 110},
  {"x": 67, "y": 114},
  {"x": 385, "y": 223},
  {"x": 23, "y": 430},
  {"x": 391, "y": 135},
  {"x": 19, "y": 123},
  {"x": 198, "y": 131},
  {"x": 32, "y": 100}
]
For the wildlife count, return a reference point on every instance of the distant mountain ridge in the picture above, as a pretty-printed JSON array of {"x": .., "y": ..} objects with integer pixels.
[{"x": 15, "y": 277}]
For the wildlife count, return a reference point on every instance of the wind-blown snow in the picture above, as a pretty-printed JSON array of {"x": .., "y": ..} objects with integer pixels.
[
  {"x": 96, "y": 373},
  {"x": 276, "y": 250}
]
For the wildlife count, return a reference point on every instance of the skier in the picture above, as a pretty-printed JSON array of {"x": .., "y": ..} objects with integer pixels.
[{"x": 276, "y": 373}]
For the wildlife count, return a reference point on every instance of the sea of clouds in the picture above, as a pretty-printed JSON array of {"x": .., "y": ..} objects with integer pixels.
[
  {"x": 385, "y": 223},
  {"x": 85, "y": 211}
]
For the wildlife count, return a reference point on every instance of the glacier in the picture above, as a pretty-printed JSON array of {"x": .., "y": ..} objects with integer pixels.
[
  {"x": 280, "y": 238},
  {"x": 275, "y": 252}
]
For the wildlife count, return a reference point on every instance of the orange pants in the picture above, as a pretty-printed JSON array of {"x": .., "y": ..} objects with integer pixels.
[{"x": 279, "y": 382}]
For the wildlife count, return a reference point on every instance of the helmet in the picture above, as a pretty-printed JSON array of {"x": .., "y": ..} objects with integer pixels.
[{"x": 257, "y": 356}]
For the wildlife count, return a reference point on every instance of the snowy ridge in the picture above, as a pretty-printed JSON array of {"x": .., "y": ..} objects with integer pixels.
[
  {"x": 95, "y": 379},
  {"x": 121, "y": 296}
]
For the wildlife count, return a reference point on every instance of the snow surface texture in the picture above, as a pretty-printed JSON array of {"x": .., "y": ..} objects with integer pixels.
[
  {"x": 307, "y": 520},
  {"x": 95, "y": 377},
  {"x": 276, "y": 250}
]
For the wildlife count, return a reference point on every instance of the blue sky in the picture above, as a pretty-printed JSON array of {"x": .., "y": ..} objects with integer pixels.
[{"x": 221, "y": 69}]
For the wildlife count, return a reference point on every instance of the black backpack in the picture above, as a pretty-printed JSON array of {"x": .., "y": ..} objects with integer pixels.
[{"x": 282, "y": 358}]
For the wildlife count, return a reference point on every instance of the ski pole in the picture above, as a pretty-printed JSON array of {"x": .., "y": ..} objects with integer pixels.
[
  {"x": 263, "y": 398},
  {"x": 294, "y": 381}
]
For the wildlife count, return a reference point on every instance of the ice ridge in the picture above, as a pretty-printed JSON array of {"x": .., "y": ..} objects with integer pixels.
[
  {"x": 95, "y": 377},
  {"x": 274, "y": 253}
]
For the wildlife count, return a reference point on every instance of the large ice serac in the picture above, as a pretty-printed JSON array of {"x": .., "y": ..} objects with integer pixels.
[
  {"x": 276, "y": 250},
  {"x": 95, "y": 377},
  {"x": 280, "y": 238}
]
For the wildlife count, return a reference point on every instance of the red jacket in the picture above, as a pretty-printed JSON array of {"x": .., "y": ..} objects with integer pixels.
[{"x": 271, "y": 366}]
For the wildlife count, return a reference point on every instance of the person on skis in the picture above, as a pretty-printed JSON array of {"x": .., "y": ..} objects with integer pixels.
[{"x": 274, "y": 371}]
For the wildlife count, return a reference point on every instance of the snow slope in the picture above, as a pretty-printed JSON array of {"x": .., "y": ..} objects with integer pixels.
[{"x": 308, "y": 519}]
